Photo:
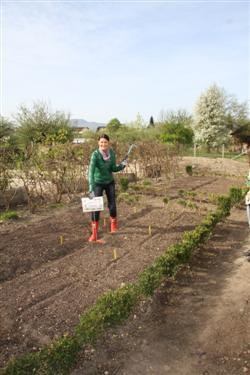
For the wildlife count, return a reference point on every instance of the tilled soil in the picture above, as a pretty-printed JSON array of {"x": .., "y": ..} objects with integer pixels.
[
  {"x": 50, "y": 274},
  {"x": 197, "y": 324}
]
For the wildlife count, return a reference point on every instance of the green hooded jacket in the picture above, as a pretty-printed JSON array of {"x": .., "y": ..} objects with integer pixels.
[{"x": 100, "y": 171}]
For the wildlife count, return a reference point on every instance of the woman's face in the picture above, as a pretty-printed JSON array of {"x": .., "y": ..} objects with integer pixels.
[{"x": 103, "y": 144}]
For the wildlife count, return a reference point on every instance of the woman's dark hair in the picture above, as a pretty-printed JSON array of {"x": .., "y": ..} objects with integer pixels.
[{"x": 103, "y": 136}]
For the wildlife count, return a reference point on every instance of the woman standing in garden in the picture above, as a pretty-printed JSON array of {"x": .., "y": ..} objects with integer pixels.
[{"x": 101, "y": 168}]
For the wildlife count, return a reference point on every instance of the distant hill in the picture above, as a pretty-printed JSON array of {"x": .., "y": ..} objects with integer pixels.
[{"x": 89, "y": 124}]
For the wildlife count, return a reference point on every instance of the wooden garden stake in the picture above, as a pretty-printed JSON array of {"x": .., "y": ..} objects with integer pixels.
[
  {"x": 61, "y": 240},
  {"x": 114, "y": 254},
  {"x": 149, "y": 230}
]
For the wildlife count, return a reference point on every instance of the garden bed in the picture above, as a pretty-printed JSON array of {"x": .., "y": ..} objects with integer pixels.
[{"x": 50, "y": 275}]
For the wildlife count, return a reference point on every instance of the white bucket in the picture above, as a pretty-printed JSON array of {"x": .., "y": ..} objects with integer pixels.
[{"x": 91, "y": 205}]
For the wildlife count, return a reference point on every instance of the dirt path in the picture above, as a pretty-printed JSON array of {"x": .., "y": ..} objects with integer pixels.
[{"x": 196, "y": 325}]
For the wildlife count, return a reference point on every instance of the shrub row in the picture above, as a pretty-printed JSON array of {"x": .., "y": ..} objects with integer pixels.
[
  {"x": 115, "y": 306},
  {"x": 177, "y": 254}
]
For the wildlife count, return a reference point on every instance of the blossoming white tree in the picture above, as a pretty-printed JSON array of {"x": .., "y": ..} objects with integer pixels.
[{"x": 209, "y": 124}]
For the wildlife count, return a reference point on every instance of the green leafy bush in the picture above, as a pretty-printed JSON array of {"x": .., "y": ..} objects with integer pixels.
[
  {"x": 212, "y": 197},
  {"x": 181, "y": 192},
  {"x": 60, "y": 356},
  {"x": 166, "y": 200},
  {"x": 112, "y": 308},
  {"x": 28, "y": 364},
  {"x": 224, "y": 204},
  {"x": 191, "y": 194},
  {"x": 236, "y": 195},
  {"x": 150, "y": 279},
  {"x": 128, "y": 198},
  {"x": 189, "y": 170}
]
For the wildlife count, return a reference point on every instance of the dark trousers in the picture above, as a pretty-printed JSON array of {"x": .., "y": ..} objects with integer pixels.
[{"x": 110, "y": 193}]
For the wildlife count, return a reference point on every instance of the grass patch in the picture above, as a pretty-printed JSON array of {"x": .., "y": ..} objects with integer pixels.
[
  {"x": 202, "y": 152},
  {"x": 146, "y": 183},
  {"x": 8, "y": 215}
]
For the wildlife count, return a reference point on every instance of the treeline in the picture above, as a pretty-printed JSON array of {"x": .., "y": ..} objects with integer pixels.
[
  {"x": 38, "y": 158},
  {"x": 37, "y": 150},
  {"x": 216, "y": 114}
]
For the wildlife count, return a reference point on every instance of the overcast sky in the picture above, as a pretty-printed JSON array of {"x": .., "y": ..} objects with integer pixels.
[{"x": 106, "y": 59}]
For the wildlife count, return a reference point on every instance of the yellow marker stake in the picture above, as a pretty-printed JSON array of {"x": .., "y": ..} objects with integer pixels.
[
  {"x": 114, "y": 254},
  {"x": 149, "y": 230},
  {"x": 61, "y": 240}
]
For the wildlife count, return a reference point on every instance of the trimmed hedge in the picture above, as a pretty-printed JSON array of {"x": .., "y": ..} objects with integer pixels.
[
  {"x": 115, "y": 306},
  {"x": 57, "y": 358},
  {"x": 110, "y": 309}
]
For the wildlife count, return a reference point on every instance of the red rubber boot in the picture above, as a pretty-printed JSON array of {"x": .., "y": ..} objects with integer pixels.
[
  {"x": 94, "y": 228},
  {"x": 113, "y": 224},
  {"x": 93, "y": 238}
]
